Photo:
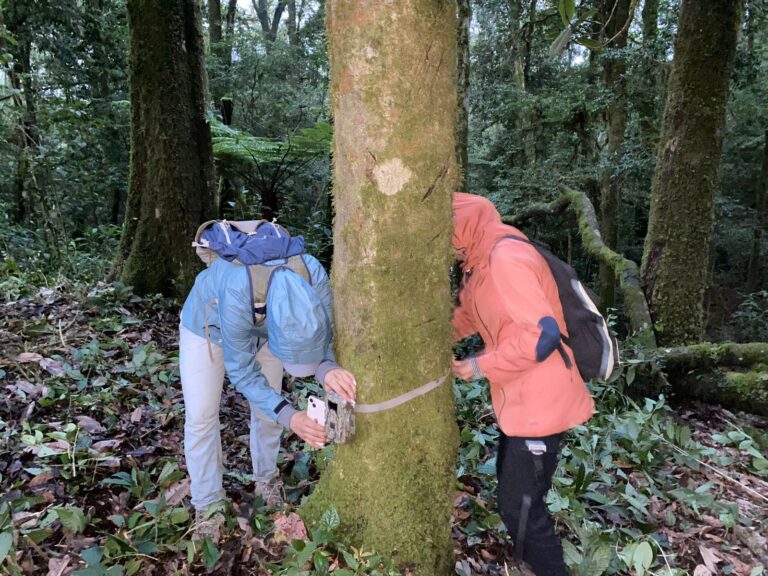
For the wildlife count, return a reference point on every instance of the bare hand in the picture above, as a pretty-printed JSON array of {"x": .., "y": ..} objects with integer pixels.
[
  {"x": 308, "y": 430},
  {"x": 343, "y": 383},
  {"x": 462, "y": 369}
]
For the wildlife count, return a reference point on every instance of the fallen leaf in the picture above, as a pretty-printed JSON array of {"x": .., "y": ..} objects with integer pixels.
[
  {"x": 702, "y": 570},
  {"x": 56, "y": 566},
  {"x": 28, "y": 357},
  {"x": 53, "y": 367},
  {"x": 710, "y": 557},
  {"x": 137, "y": 414},
  {"x": 103, "y": 446},
  {"x": 289, "y": 527},
  {"x": 177, "y": 492},
  {"x": 89, "y": 424},
  {"x": 41, "y": 478}
]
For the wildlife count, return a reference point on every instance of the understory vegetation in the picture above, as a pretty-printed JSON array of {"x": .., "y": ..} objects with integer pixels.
[{"x": 91, "y": 465}]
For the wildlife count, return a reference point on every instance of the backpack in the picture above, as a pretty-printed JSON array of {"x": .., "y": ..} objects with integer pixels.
[
  {"x": 594, "y": 346},
  {"x": 252, "y": 243}
]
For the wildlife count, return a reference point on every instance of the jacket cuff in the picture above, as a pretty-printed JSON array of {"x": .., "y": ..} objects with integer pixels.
[
  {"x": 285, "y": 415},
  {"x": 476, "y": 372},
  {"x": 323, "y": 369}
]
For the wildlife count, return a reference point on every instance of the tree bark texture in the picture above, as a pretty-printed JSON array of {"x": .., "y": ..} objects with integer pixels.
[
  {"x": 393, "y": 86},
  {"x": 677, "y": 246},
  {"x": 754, "y": 274},
  {"x": 462, "y": 119},
  {"x": 291, "y": 25},
  {"x": 618, "y": 14},
  {"x": 171, "y": 178}
]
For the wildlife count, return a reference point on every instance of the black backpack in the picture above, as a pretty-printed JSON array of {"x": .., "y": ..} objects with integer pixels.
[{"x": 593, "y": 344}]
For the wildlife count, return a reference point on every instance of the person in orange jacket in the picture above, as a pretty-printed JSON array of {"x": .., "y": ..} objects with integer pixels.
[{"x": 509, "y": 297}]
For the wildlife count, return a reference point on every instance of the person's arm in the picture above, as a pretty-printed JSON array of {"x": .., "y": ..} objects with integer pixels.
[{"x": 529, "y": 332}]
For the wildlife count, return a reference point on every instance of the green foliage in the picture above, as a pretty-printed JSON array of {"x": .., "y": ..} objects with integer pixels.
[
  {"x": 314, "y": 556},
  {"x": 750, "y": 321}
]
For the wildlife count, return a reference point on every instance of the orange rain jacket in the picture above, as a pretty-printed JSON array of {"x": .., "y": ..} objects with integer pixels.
[{"x": 509, "y": 296}]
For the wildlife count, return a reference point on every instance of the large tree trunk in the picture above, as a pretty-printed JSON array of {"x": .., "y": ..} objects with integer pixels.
[
  {"x": 291, "y": 24},
  {"x": 393, "y": 84},
  {"x": 171, "y": 182},
  {"x": 677, "y": 247},
  {"x": 754, "y": 274},
  {"x": 617, "y": 15},
  {"x": 462, "y": 120}
]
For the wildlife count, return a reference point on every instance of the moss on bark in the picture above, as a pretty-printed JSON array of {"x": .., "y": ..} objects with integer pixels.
[
  {"x": 171, "y": 180},
  {"x": 393, "y": 86},
  {"x": 677, "y": 247}
]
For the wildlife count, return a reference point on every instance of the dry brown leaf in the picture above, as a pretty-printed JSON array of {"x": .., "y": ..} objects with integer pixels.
[
  {"x": 702, "y": 570},
  {"x": 177, "y": 492},
  {"x": 137, "y": 414},
  {"x": 28, "y": 357},
  {"x": 56, "y": 566},
  {"x": 711, "y": 558},
  {"x": 89, "y": 424},
  {"x": 289, "y": 527},
  {"x": 41, "y": 478},
  {"x": 53, "y": 367}
]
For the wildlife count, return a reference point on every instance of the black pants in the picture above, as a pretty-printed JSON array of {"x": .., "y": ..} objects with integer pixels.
[{"x": 525, "y": 467}]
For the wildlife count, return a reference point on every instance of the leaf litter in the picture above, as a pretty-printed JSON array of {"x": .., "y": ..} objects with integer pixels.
[{"x": 93, "y": 482}]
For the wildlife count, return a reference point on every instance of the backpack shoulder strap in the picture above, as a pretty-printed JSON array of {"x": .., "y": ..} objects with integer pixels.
[{"x": 260, "y": 277}]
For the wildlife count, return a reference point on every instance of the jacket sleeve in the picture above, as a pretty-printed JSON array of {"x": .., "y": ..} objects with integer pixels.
[
  {"x": 239, "y": 347},
  {"x": 528, "y": 332}
]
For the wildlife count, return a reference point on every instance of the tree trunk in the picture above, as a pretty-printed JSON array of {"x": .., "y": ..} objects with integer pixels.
[
  {"x": 215, "y": 34},
  {"x": 650, "y": 63},
  {"x": 293, "y": 36},
  {"x": 617, "y": 15},
  {"x": 393, "y": 85},
  {"x": 462, "y": 120},
  {"x": 268, "y": 27},
  {"x": 754, "y": 274},
  {"x": 171, "y": 181},
  {"x": 677, "y": 247},
  {"x": 229, "y": 30}
]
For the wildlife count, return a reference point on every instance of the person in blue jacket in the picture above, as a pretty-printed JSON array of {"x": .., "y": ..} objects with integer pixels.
[{"x": 219, "y": 334}]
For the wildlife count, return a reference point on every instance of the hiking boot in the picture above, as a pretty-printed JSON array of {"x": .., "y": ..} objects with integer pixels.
[
  {"x": 208, "y": 522},
  {"x": 270, "y": 490}
]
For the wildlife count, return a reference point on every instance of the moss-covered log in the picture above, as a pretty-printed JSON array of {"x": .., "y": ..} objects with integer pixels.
[
  {"x": 676, "y": 258},
  {"x": 734, "y": 375},
  {"x": 393, "y": 86},
  {"x": 171, "y": 180},
  {"x": 625, "y": 271}
]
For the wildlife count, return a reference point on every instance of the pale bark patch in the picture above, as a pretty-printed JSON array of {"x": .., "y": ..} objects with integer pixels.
[{"x": 392, "y": 176}]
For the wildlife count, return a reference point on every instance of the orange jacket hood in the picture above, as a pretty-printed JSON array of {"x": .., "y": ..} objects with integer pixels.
[{"x": 477, "y": 228}]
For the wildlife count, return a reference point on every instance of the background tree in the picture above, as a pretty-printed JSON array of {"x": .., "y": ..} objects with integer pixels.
[
  {"x": 676, "y": 260},
  {"x": 617, "y": 16},
  {"x": 393, "y": 85},
  {"x": 171, "y": 188}
]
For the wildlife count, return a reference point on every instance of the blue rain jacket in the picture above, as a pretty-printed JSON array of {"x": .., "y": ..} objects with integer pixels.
[{"x": 221, "y": 299}]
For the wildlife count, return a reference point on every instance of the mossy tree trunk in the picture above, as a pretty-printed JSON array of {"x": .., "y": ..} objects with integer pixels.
[
  {"x": 171, "y": 184},
  {"x": 393, "y": 85},
  {"x": 677, "y": 247},
  {"x": 462, "y": 120},
  {"x": 617, "y": 15}
]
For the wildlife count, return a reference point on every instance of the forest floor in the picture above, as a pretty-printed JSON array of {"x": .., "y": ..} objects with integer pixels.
[{"x": 92, "y": 477}]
